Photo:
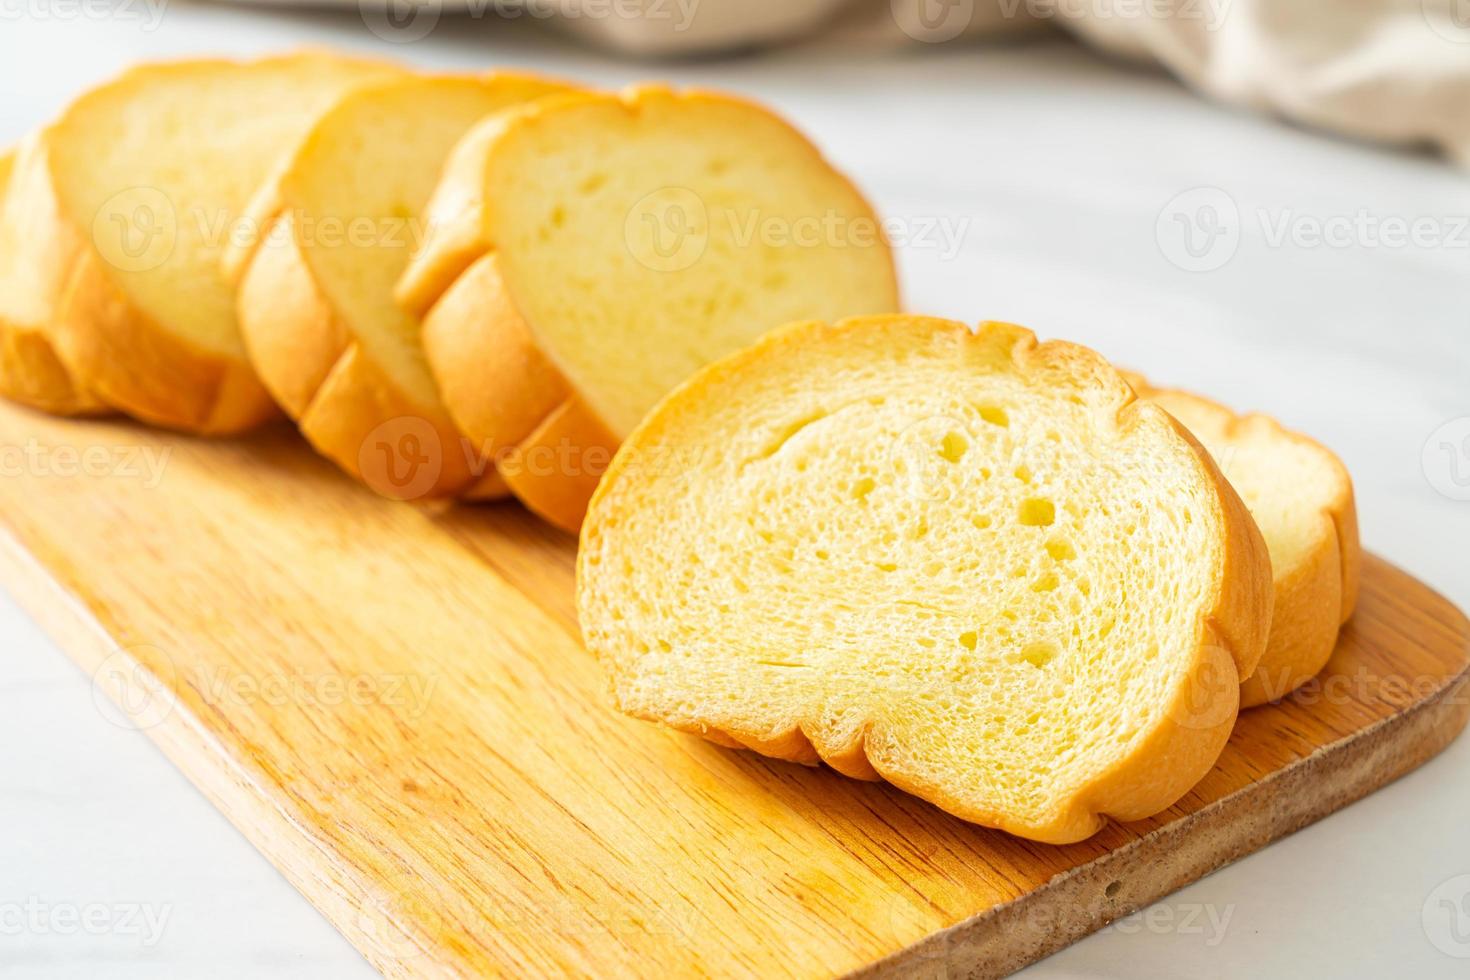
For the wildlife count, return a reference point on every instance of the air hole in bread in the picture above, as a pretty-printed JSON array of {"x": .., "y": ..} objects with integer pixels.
[
  {"x": 789, "y": 433},
  {"x": 953, "y": 447},
  {"x": 863, "y": 487},
  {"x": 1039, "y": 654},
  {"x": 1037, "y": 512},
  {"x": 995, "y": 415},
  {"x": 969, "y": 639},
  {"x": 1045, "y": 583},
  {"x": 1060, "y": 548},
  {"x": 1023, "y": 473}
]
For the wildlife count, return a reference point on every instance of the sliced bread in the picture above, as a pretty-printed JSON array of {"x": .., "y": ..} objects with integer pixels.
[
  {"x": 135, "y": 190},
  {"x": 315, "y": 301},
  {"x": 30, "y": 286},
  {"x": 964, "y": 562},
  {"x": 1301, "y": 497},
  {"x": 587, "y": 253}
]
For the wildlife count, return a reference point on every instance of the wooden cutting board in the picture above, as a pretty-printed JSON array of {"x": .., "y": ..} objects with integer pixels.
[{"x": 391, "y": 702}]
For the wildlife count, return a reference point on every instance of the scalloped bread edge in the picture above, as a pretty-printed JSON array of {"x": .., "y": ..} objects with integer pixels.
[
  {"x": 319, "y": 373},
  {"x": 119, "y": 351},
  {"x": 1193, "y": 728},
  {"x": 1314, "y": 596},
  {"x": 550, "y": 446},
  {"x": 30, "y": 372}
]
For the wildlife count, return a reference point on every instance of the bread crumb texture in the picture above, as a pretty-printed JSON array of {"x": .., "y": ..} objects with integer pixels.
[{"x": 958, "y": 560}]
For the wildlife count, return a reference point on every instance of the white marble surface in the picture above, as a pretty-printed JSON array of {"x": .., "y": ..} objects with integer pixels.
[{"x": 1055, "y": 173}]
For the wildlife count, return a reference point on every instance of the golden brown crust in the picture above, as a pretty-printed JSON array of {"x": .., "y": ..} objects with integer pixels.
[
  {"x": 345, "y": 404},
  {"x": 147, "y": 371},
  {"x": 555, "y": 470},
  {"x": 30, "y": 372},
  {"x": 112, "y": 349},
  {"x": 310, "y": 358},
  {"x": 498, "y": 385},
  {"x": 288, "y": 326},
  {"x": 116, "y": 350},
  {"x": 510, "y": 401},
  {"x": 1191, "y": 732},
  {"x": 1317, "y": 592},
  {"x": 361, "y": 420}
]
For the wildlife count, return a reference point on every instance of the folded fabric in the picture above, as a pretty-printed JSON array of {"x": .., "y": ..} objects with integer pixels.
[{"x": 1395, "y": 71}]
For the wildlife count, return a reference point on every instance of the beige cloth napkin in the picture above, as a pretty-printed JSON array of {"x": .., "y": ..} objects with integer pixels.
[{"x": 1391, "y": 70}]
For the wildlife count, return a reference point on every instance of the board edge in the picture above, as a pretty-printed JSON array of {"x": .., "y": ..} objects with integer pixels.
[{"x": 1082, "y": 900}]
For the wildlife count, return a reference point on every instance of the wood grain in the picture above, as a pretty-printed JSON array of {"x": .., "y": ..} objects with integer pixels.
[{"x": 392, "y": 703}]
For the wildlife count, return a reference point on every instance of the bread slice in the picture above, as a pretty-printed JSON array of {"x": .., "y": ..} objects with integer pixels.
[
  {"x": 589, "y": 252},
  {"x": 30, "y": 372},
  {"x": 969, "y": 564},
  {"x": 135, "y": 191},
  {"x": 1302, "y": 499},
  {"x": 315, "y": 302}
]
